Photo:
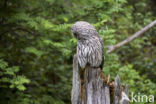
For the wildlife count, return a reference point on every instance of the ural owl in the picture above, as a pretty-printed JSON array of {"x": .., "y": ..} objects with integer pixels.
[{"x": 90, "y": 48}]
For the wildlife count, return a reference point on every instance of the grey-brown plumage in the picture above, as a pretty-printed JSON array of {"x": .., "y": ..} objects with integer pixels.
[{"x": 90, "y": 48}]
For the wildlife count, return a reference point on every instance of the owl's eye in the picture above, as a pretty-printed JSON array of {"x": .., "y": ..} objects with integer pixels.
[{"x": 75, "y": 35}]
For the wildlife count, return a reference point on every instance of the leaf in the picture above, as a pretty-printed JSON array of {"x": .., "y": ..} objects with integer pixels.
[
  {"x": 35, "y": 51},
  {"x": 3, "y": 64}
]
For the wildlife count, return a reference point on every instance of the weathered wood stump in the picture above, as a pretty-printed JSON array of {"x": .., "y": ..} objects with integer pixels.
[{"x": 94, "y": 89}]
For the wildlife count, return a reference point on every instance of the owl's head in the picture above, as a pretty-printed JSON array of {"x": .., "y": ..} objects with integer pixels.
[{"x": 83, "y": 30}]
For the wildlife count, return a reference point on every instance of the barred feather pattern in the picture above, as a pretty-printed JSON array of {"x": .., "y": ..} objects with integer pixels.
[{"x": 90, "y": 48}]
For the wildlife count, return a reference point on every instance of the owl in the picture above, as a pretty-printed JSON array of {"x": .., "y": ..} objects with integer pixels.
[{"x": 90, "y": 48}]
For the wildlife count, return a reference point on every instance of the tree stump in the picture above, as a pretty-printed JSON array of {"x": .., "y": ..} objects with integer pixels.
[{"x": 94, "y": 89}]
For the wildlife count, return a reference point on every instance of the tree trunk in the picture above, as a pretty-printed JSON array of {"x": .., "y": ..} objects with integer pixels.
[{"x": 93, "y": 88}]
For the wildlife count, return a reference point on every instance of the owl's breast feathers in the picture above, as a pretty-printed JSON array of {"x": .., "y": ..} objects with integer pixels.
[{"x": 90, "y": 52}]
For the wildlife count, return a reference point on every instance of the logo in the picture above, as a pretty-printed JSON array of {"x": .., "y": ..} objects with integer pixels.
[{"x": 141, "y": 98}]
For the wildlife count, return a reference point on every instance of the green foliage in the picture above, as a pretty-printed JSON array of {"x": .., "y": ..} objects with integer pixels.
[
  {"x": 10, "y": 77},
  {"x": 37, "y": 47}
]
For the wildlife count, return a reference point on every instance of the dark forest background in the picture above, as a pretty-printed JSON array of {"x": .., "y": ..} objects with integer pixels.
[{"x": 37, "y": 47}]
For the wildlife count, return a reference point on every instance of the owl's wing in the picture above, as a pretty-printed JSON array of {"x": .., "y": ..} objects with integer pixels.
[
  {"x": 91, "y": 52},
  {"x": 102, "y": 45},
  {"x": 95, "y": 54},
  {"x": 82, "y": 54}
]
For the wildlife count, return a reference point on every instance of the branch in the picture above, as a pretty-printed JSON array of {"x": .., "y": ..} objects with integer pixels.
[{"x": 137, "y": 34}]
